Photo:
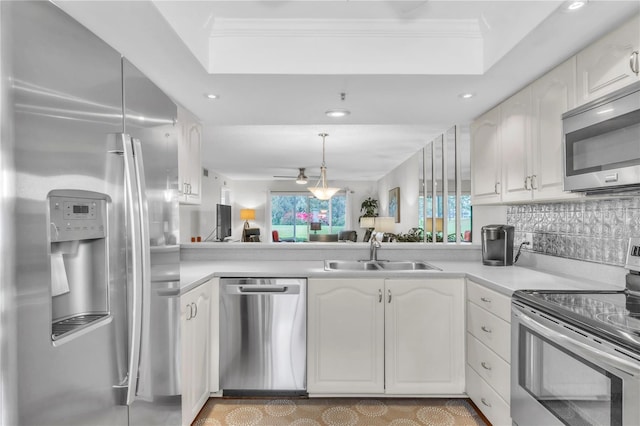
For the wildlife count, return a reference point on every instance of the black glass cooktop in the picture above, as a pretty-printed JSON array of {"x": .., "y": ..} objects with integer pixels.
[{"x": 613, "y": 315}]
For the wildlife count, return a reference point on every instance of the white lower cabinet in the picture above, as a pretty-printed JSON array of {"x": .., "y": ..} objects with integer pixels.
[
  {"x": 424, "y": 336},
  {"x": 214, "y": 336},
  {"x": 487, "y": 399},
  {"x": 195, "y": 341},
  {"x": 488, "y": 352},
  {"x": 345, "y": 340},
  {"x": 376, "y": 336}
]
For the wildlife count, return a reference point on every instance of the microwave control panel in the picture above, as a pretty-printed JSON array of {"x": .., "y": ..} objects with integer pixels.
[
  {"x": 633, "y": 255},
  {"x": 74, "y": 218}
]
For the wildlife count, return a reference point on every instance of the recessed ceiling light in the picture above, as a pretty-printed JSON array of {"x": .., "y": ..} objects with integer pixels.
[
  {"x": 466, "y": 95},
  {"x": 335, "y": 113},
  {"x": 574, "y": 5},
  {"x": 211, "y": 96}
]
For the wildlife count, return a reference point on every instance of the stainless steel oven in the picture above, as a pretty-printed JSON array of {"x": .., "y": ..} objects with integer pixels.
[
  {"x": 575, "y": 355},
  {"x": 565, "y": 374}
]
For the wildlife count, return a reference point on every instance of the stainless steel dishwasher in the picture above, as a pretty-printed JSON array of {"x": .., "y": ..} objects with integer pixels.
[{"x": 263, "y": 323}]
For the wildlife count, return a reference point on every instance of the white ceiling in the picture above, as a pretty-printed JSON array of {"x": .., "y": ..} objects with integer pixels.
[{"x": 279, "y": 65}]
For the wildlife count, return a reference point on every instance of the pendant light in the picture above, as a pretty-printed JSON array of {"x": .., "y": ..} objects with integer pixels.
[{"x": 321, "y": 191}]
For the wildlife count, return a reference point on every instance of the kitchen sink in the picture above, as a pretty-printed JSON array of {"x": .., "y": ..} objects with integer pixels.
[
  {"x": 407, "y": 266},
  {"x": 377, "y": 265},
  {"x": 350, "y": 265}
]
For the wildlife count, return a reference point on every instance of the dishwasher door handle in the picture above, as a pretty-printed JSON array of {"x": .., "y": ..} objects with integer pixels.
[{"x": 263, "y": 289}]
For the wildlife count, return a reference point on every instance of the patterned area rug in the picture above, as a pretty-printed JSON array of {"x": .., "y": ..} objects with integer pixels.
[{"x": 338, "y": 412}]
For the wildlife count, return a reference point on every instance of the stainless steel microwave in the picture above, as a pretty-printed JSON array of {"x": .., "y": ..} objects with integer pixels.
[{"x": 602, "y": 143}]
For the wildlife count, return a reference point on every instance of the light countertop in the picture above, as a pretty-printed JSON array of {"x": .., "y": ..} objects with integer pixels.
[{"x": 504, "y": 279}]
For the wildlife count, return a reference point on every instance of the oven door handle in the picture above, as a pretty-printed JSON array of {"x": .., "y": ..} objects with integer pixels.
[{"x": 587, "y": 351}]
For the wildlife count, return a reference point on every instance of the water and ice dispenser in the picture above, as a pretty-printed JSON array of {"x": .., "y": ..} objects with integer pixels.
[
  {"x": 497, "y": 245},
  {"x": 79, "y": 260}
]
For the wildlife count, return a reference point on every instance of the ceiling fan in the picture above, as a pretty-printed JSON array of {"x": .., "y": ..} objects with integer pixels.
[{"x": 301, "y": 178}]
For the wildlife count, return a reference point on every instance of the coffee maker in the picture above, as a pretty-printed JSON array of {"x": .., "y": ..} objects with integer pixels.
[{"x": 497, "y": 245}]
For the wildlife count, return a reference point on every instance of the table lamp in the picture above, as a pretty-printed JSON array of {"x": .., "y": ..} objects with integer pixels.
[
  {"x": 385, "y": 224},
  {"x": 367, "y": 222},
  {"x": 247, "y": 215}
]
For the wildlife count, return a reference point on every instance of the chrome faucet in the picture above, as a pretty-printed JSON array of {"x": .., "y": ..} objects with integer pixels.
[{"x": 373, "y": 248}]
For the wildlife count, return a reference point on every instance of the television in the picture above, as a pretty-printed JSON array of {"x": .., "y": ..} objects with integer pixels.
[{"x": 223, "y": 221}]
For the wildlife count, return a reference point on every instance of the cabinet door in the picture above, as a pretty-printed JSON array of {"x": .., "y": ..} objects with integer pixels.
[
  {"x": 194, "y": 136},
  {"x": 189, "y": 162},
  {"x": 552, "y": 96},
  {"x": 214, "y": 336},
  {"x": 485, "y": 159},
  {"x": 424, "y": 336},
  {"x": 515, "y": 144},
  {"x": 196, "y": 307},
  {"x": 345, "y": 342},
  {"x": 604, "y": 66},
  {"x": 186, "y": 331}
]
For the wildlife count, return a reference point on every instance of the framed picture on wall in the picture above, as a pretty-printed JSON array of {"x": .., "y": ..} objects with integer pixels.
[{"x": 394, "y": 204}]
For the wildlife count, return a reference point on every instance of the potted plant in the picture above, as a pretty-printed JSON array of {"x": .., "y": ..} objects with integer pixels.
[
  {"x": 369, "y": 207},
  {"x": 413, "y": 236}
]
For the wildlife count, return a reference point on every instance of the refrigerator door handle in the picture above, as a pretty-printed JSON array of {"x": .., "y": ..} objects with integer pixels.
[
  {"x": 135, "y": 240},
  {"x": 143, "y": 387}
]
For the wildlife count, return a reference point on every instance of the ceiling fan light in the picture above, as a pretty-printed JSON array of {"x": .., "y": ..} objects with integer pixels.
[{"x": 301, "y": 179}]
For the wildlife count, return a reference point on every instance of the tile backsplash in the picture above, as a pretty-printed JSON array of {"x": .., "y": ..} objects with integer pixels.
[{"x": 594, "y": 230}]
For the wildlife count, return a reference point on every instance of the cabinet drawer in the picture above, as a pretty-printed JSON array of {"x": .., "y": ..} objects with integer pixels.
[
  {"x": 487, "y": 400},
  {"x": 494, "y": 332},
  {"x": 493, "y": 369},
  {"x": 490, "y": 300}
]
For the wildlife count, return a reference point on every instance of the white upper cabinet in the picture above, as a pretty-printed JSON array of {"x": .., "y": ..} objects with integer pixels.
[
  {"x": 552, "y": 95},
  {"x": 515, "y": 142},
  {"x": 517, "y": 147},
  {"x": 532, "y": 138},
  {"x": 529, "y": 137},
  {"x": 189, "y": 162},
  {"x": 605, "y": 65},
  {"x": 485, "y": 158}
]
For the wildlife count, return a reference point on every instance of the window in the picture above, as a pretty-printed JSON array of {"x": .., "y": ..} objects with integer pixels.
[
  {"x": 465, "y": 213},
  {"x": 292, "y": 214}
]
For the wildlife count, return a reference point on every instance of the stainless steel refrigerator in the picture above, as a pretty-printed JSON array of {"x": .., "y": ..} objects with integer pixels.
[{"x": 90, "y": 317}]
